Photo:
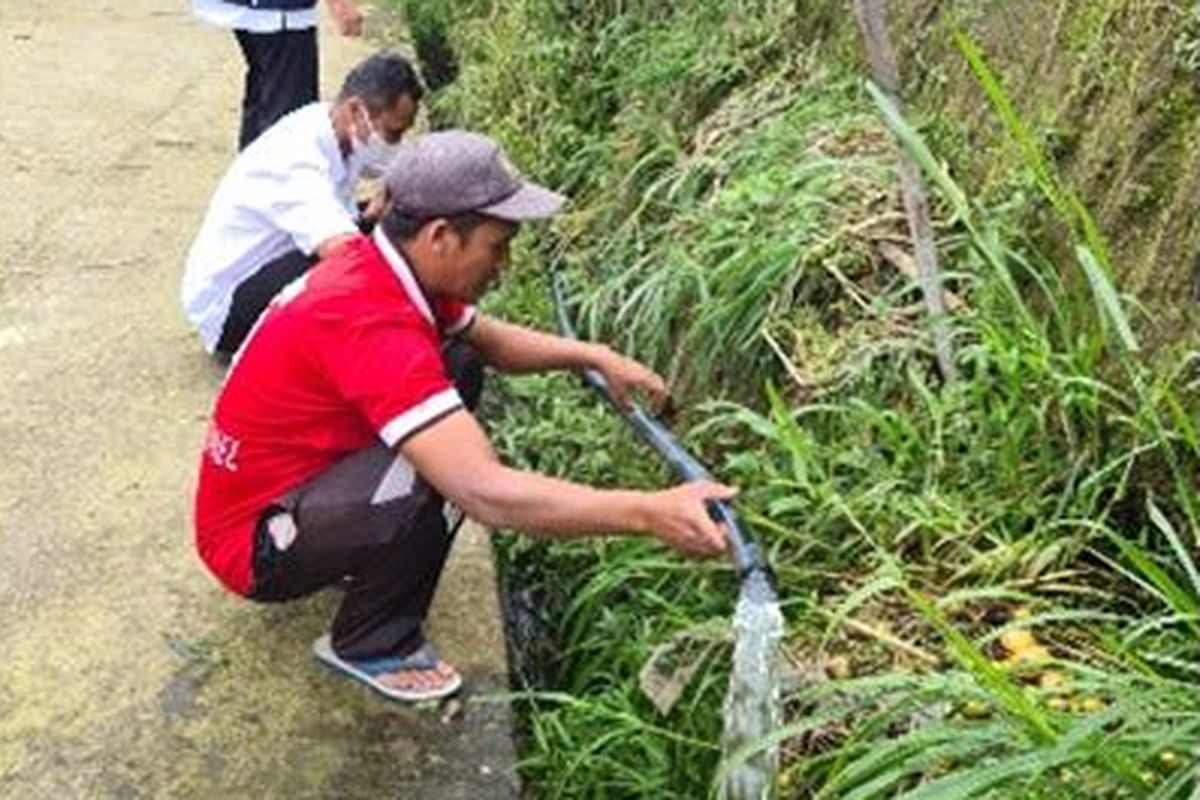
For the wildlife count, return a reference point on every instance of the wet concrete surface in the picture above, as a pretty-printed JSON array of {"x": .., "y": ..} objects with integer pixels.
[{"x": 125, "y": 671}]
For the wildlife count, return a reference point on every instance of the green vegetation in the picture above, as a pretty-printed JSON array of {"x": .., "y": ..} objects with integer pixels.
[{"x": 991, "y": 589}]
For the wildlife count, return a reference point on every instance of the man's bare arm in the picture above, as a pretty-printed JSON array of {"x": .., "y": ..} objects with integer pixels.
[
  {"x": 517, "y": 349},
  {"x": 455, "y": 456}
]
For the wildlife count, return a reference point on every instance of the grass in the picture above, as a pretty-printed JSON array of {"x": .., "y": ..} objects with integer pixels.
[{"x": 730, "y": 193}]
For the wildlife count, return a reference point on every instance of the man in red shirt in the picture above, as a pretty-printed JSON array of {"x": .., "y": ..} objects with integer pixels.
[{"x": 344, "y": 421}]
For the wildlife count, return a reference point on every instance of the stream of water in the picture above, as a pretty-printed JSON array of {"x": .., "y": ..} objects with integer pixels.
[{"x": 752, "y": 702}]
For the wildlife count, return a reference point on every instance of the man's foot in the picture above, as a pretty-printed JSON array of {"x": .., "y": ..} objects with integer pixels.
[
  {"x": 418, "y": 676},
  {"x": 423, "y": 680}
]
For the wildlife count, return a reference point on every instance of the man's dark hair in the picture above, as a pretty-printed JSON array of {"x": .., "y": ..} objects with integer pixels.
[
  {"x": 400, "y": 227},
  {"x": 381, "y": 80}
]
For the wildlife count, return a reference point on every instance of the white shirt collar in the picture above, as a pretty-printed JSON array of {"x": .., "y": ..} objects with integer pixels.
[{"x": 404, "y": 273}]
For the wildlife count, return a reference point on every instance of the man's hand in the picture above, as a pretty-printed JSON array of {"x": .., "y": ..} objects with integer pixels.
[
  {"x": 679, "y": 518},
  {"x": 624, "y": 375},
  {"x": 377, "y": 206},
  {"x": 346, "y": 16},
  {"x": 516, "y": 349}
]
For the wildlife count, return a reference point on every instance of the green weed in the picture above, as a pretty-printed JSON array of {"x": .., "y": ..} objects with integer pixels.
[{"x": 731, "y": 192}]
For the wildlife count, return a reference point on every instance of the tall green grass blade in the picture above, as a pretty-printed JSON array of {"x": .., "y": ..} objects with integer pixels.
[
  {"x": 916, "y": 147},
  {"x": 1108, "y": 304},
  {"x": 1063, "y": 199},
  {"x": 1175, "y": 596},
  {"x": 1177, "y": 547},
  {"x": 937, "y": 172},
  {"x": 1009, "y": 772}
]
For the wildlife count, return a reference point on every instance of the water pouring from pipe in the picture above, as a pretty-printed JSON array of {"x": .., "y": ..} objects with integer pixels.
[{"x": 752, "y": 701}]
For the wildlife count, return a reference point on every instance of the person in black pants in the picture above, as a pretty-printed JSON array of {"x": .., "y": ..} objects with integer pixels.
[
  {"x": 278, "y": 40},
  {"x": 281, "y": 76}
]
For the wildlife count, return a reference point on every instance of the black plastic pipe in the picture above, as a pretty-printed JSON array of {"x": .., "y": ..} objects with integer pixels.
[{"x": 746, "y": 553}]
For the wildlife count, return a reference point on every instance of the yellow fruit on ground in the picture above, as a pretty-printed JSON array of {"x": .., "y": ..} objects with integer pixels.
[
  {"x": 1017, "y": 641},
  {"x": 1052, "y": 679},
  {"x": 1030, "y": 655},
  {"x": 976, "y": 709},
  {"x": 838, "y": 667}
]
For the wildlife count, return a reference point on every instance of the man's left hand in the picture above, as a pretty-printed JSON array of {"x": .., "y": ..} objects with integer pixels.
[{"x": 624, "y": 376}]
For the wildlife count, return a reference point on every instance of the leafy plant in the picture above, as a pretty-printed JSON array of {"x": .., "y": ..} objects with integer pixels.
[{"x": 731, "y": 196}]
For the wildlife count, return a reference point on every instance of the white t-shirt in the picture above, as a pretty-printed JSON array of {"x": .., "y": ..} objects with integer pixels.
[
  {"x": 291, "y": 189},
  {"x": 254, "y": 20}
]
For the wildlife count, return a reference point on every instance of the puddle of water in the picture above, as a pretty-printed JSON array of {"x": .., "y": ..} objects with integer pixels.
[{"x": 752, "y": 702}]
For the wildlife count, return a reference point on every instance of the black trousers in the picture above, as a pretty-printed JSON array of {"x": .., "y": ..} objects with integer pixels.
[
  {"x": 252, "y": 295},
  {"x": 281, "y": 76},
  {"x": 369, "y": 517}
]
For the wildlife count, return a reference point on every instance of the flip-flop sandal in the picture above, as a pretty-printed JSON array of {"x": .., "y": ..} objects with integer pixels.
[{"x": 369, "y": 670}]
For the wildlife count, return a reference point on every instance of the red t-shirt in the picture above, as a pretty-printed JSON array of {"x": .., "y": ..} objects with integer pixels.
[{"x": 348, "y": 353}]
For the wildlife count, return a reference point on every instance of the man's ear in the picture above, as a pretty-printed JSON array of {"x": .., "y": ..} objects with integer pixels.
[
  {"x": 360, "y": 117},
  {"x": 438, "y": 233}
]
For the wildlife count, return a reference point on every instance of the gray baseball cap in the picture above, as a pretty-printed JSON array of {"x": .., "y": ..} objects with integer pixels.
[{"x": 451, "y": 172}]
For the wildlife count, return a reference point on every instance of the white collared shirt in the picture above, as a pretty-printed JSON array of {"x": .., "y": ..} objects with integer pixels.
[
  {"x": 291, "y": 189},
  {"x": 254, "y": 20}
]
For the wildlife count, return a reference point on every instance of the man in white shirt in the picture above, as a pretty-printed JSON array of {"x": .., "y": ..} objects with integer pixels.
[
  {"x": 288, "y": 198},
  {"x": 278, "y": 40}
]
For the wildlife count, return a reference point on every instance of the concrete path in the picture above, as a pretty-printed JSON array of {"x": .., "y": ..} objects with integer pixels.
[{"x": 125, "y": 672}]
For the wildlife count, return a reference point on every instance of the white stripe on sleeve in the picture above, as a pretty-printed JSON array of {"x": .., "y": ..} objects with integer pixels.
[
  {"x": 463, "y": 322},
  {"x": 402, "y": 425}
]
